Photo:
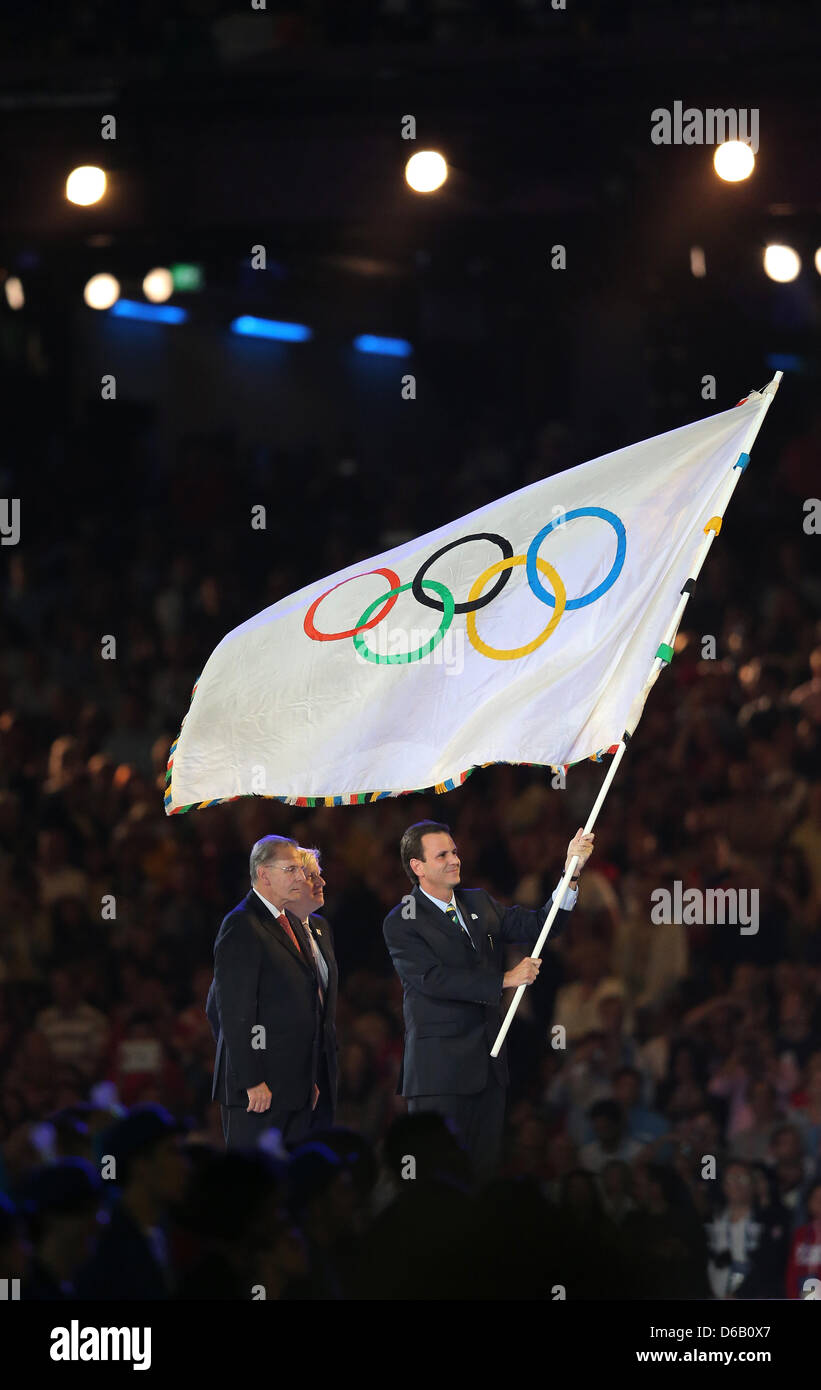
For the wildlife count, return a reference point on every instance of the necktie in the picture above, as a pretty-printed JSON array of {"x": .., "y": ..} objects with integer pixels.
[
  {"x": 450, "y": 913},
  {"x": 319, "y": 963},
  {"x": 291, "y": 934},
  {"x": 289, "y": 931}
]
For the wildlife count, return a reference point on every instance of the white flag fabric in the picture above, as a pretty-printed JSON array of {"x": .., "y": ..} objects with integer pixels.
[{"x": 521, "y": 633}]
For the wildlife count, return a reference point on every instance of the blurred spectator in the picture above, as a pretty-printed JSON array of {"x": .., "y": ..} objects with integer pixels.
[
  {"x": 665, "y": 1237},
  {"x": 612, "y": 1140},
  {"x": 242, "y": 1238},
  {"x": 806, "y": 1112},
  {"x": 805, "y": 1251},
  {"x": 641, "y": 1124},
  {"x": 753, "y": 1140},
  {"x": 57, "y": 878},
  {"x": 75, "y": 1031},
  {"x": 62, "y": 1201},
  {"x": 747, "y": 1250},
  {"x": 363, "y": 1101},
  {"x": 132, "y": 1259},
  {"x": 616, "y": 1179},
  {"x": 577, "y": 1004}
]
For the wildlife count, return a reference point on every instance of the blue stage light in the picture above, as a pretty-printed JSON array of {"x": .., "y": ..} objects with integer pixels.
[
  {"x": 386, "y": 347},
  {"x": 785, "y": 362},
  {"x": 271, "y": 328},
  {"x": 148, "y": 313}
]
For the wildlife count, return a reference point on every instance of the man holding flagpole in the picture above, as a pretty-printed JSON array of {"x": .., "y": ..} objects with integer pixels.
[{"x": 447, "y": 945}]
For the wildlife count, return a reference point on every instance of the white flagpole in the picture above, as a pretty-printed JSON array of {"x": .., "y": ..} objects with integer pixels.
[{"x": 711, "y": 530}]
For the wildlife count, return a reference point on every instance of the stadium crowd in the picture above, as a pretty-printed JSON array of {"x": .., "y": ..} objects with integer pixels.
[{"x": 664, "y": 1120}]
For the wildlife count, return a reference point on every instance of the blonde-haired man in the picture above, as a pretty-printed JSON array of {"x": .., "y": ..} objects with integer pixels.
[{"x": 320, "y": 939}]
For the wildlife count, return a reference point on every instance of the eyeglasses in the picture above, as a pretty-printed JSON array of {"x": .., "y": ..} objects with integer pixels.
[{"x": 286, "y": 868}]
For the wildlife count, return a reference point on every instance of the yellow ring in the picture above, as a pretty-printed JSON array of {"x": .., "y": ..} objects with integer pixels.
[{"x": 498, "y": 654}]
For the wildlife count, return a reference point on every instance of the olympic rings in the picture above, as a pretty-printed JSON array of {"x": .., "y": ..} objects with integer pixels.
[
  {"x": 448, "y": 607},
  {"x": 404, "y": 658},
  {"x": 513, "y": 653},
  {"x": 419, "y": 578},
  {"x": 621, "y": 549},
  {"x": 337, "y": 636}
]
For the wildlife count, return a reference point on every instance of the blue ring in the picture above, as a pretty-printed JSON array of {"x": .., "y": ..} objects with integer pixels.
[{"x": 533, "y": 549}]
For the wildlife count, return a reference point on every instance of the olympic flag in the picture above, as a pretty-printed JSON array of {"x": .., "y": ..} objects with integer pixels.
[{"x": 521, "y": 633}]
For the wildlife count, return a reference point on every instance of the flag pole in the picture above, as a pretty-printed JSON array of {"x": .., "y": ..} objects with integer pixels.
[{"x": 662, "y": 658}]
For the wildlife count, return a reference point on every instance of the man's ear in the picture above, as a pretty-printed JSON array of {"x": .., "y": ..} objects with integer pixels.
[{"x": 414, "y": 864}]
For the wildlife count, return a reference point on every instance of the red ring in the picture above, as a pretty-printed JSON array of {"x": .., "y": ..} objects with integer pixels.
[{"x": 393, "y": 580}]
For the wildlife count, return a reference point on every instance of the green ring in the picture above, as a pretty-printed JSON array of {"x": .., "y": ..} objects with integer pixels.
[{"x": 404, "y": 658}]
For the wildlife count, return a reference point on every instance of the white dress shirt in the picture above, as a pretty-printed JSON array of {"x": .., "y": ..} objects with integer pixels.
[
  {"x": 276, "y": 911},
  {"x": 570, "y": 898},
  {"x": 319, "y": 960}
]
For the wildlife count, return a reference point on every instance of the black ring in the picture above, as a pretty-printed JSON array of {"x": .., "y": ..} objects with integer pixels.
[{"x": 467, "y": 607}]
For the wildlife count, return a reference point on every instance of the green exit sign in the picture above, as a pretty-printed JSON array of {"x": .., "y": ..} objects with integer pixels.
[{"x": 186, "y": 276}]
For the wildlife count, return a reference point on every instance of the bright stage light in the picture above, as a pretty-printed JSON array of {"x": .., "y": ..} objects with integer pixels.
[
  {"x": 733, "y": 161},
  {"x": 101, "y": 292},
  {"x": 148, "y": 313},
  {"x": 818, "y": 260},
  {"x": 385, "y": 347},
  {"x": 158, "y": 285},
  {"x": 15, "y": 298},
  {"x": 251, "y": 327},
  {"x": 426, "y": 171},
  {"x": 781, "y": 263},
  {"x": 85, "y": 185}
]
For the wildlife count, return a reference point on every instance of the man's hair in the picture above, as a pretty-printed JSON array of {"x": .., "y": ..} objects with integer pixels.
[
  {"x": 306, "y": 855},
  {"x": 267, "y": 849},
  {"x": 410, "y": 846}
]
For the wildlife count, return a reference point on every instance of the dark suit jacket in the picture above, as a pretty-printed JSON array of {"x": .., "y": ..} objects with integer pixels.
[
  {"x": 259, "y": 978},
  {"x": 453, "y": 991}
]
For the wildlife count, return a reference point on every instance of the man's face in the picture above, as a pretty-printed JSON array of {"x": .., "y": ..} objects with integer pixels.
[
  {"x": 282, "y": 880},
  {"x": 312, "y": 894},
  {"x": 440, "y": 868}
]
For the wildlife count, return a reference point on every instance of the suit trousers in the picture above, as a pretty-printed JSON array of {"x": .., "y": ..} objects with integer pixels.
[
  {"x": 323, "y": 1115},
  {"x": 479, "y": 1122},
  {"x": 243, "y": 1128}
]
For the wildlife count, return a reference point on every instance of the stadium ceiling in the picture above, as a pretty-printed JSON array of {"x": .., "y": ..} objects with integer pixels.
[{"x": 551, "y": 129}]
